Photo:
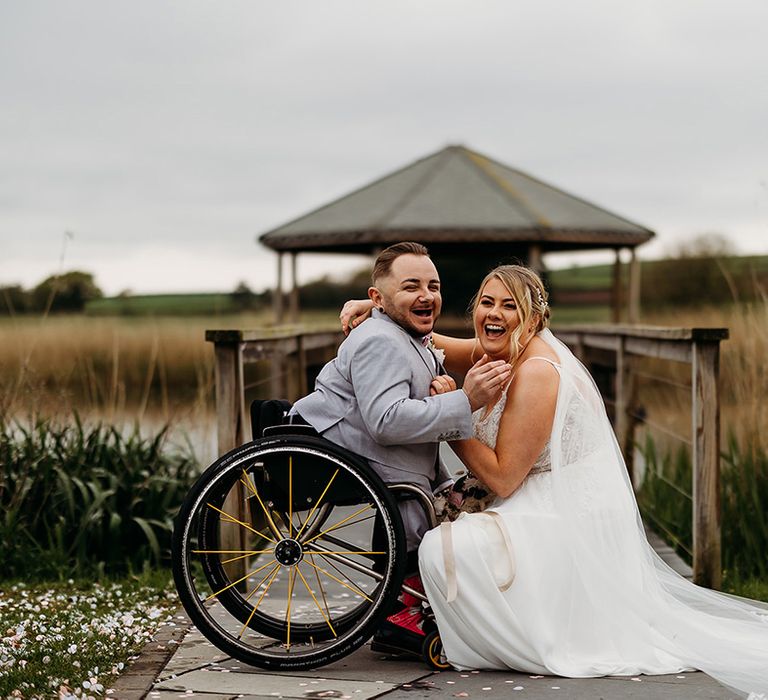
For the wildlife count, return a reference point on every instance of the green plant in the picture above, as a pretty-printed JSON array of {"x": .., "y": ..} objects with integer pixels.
[
  {"x": 664, "y": 497},
  {"x": 744, "y": 501},
  {"x": 78, "y": 500},
  {"x": 665, "y": 501}
]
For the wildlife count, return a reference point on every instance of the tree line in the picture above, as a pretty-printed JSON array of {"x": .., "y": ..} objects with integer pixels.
[
  {"x": 69, "y": 291},
  {"x": 702, "y": 271}
]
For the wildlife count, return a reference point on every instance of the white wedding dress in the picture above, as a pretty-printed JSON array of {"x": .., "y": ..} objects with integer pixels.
[{"x": 559, "y": 578}]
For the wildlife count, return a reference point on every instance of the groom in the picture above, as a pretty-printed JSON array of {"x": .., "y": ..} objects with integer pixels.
[{"x": 374, "y": 397}]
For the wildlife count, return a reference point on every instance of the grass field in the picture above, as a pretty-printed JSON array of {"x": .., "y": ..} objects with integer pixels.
[{"x": 163, "y": 305}]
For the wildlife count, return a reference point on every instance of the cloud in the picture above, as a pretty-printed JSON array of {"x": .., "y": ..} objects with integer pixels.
[{"x": 194, "y": 127}]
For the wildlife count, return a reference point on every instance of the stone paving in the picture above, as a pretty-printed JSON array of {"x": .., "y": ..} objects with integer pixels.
[
  {"x": 199, "y": 670},
  {"x": 192, "y": 667}
]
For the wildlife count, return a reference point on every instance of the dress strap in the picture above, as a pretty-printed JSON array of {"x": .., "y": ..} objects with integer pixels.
[
  {"x": 496, "y": 517},
  {"x": 449, "y": 557},
  {"x": 546, "y": 359}
]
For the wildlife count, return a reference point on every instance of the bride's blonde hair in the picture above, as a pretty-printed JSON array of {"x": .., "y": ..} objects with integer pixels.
[{"x": 529, "y": 296}]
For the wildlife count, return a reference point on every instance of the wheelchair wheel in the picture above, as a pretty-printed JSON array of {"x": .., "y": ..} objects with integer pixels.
[{"x": 284, "y": 552}]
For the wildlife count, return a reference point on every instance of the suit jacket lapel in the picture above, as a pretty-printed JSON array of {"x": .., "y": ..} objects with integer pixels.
[{"x": 420, "y": 349}]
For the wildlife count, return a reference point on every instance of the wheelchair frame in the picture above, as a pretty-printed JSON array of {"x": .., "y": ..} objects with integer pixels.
[{"x": 320, "y": 521}]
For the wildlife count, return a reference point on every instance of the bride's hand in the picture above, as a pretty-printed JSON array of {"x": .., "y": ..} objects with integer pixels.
[
  {"x": 354, "y": 312},
  {"x": 485, "y": 381},
  {"x": 442, "y": 384}
]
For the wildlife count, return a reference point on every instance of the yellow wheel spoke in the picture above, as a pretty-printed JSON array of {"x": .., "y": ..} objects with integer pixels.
[
  {"x": 275, "y": 529},
  {"x": 272, "y": 573},
  {"x": 339, "y": 524},
  {"x": 309, "y": 590},
  {"x": 234, "y": 583},
  {"x": 232, "y": 551},
  {"x": 232, "y": 519},
  {"x": 346, "y": 585},
  {"x": 238, "y": 558},
  {"x": 227, "y": 587},
  {"x": 329, "y": 551},
  {"x": 291, "y": 579},
  {"x": 320, "y": 586},
  {"x": 317, "y": 503}
]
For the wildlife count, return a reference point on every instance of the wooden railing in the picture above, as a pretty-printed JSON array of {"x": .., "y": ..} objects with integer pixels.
[{"x": 295, "y": 356}]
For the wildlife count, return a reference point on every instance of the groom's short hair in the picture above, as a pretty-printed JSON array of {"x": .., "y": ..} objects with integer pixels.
[{"x": 384, "y": 260}]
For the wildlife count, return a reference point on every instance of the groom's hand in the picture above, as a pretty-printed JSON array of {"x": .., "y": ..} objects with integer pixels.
[
  {"x": 485, "y": 380},
  {"x": 442, "y": 384}
]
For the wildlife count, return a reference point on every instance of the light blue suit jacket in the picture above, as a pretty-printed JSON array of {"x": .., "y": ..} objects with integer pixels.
[{"x": 373, "y": 399}]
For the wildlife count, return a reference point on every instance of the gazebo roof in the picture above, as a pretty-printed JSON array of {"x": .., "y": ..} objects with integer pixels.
[{"x": 456, "y": 196}]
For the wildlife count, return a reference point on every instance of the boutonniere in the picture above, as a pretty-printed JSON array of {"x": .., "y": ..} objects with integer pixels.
[{"x": 439, "y": 352}]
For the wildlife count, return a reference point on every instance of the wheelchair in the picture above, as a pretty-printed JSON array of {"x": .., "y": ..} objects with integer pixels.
[{"x": 289, "y": 551}]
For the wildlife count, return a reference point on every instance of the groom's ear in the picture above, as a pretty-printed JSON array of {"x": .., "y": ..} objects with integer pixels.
[{"x": 376, "y": 297}]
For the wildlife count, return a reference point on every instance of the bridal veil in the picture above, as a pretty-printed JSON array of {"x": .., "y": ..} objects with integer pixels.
[{"x": 722, "y": 635}]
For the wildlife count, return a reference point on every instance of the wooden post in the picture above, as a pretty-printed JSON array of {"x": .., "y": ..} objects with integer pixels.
[
  {"x": 278, "y": 366},
  {"x": 634, "y": 288},
  {"x": 578, "y": 348},
  {"x": 230, "y": 414},
  {"x": 534, "y": 257},
  {"x": 707, "y": 564},
  {"x": 294, "y": 298},
  {"x": 277, "y": 299},
  {"x": 616, "y": 291},
  {"x": 623, "y": 388},
  {"x": 302, "y": 366}
]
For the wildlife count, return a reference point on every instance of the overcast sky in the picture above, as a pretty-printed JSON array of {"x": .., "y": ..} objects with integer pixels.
[{"x": 166, "y": 135}]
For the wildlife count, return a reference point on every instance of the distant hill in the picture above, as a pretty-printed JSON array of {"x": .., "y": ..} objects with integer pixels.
[{"x": 668, "y": 281}]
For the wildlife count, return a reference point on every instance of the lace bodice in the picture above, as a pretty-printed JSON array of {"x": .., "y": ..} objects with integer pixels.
[{"x": 486, "y": 429}]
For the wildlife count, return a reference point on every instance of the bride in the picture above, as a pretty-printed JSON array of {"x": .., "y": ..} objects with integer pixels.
[{"x": 556, "y": 576}]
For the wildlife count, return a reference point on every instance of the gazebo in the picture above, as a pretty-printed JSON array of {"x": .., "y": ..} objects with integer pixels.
[{"x": 463, "y": 206}]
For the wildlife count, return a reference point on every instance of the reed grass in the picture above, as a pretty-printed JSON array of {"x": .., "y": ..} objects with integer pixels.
[
  {"x": 102, "y": 365},
  {"x": 106, "y": 365},
  {"x": 82, "y": 500},
  {"x": 743, "y": 368}
]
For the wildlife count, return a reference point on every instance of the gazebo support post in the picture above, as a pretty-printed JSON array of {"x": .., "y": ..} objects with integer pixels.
[
  {"x": 634, "y": 288},
  {"x": 277, "y": 297},
  {"x": 294, "y": 298},
  {"x": 534, "y": 257},
  {"x": 616, "y": 295}
]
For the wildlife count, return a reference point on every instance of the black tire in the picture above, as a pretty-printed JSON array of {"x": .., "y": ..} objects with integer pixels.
[
  {"x": 304, "y": 485},
  {"x": 432, "y": 652}
]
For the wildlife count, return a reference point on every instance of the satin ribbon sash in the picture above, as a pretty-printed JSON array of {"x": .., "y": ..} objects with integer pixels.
[{"x": 449, "y": 556}]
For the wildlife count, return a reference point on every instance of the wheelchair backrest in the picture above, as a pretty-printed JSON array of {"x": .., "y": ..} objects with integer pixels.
[{"x": 267, "y": 413}]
